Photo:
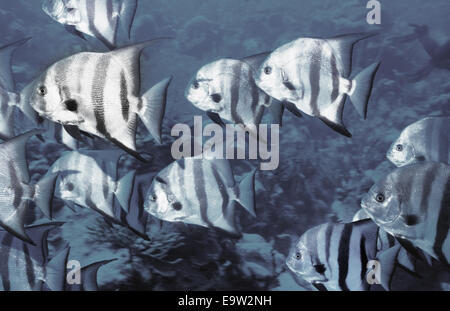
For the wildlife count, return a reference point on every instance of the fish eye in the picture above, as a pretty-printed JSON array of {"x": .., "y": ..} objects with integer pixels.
[
  {"x": 298, "y": 255},
  {"x": 71, "y": 105},
  {"x": 399, "y": 147},
  {"x": 177, "y": 206},
  {"x": 68, "y": 10},
  {"x": 196, "y": 85},
  {"x": 70, "y": 186},
  {"x": 379, "y": 197},
  {"x": 267, "y": 70},
  {"x": 42, "y": 90},
  {"x": 153, "y": 197}
]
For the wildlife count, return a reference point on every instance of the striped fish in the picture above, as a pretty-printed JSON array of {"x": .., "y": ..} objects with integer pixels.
[
  {"x": 9, "y": 99},
  {"x": 97, "y": 18},
  {"x": 24, "y": 266},
  {"x": 425, "y": 140},
  {"x": 99, "y": 93},
  {"x": 15, "y": 191},
  {"x": 200, "y": 192},
  {"x": 413, "y": 204},
  {"x": 312, "y": 75},
  {"x": 335, "y": 257},
  {"x": 226, "y": 89},
  {"x": 94, "y": 182}
]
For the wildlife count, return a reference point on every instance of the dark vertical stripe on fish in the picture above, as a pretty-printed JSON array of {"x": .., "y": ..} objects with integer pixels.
[
  {"x": 90, "y": 8},
  {"x": 443, "y": 224},
  {"x": 363, "y": 256},
  {"x": 124, "y": 96},
  {"x": 200, "y": 191},
  {"x": 97, "y": 93},
  {"x": 16, "y": 185},
  {"x": 105, "y": 186},
  {"x": 335, "y": 78},
  {"x": 31, "y": 277},
  {"x": 314, "y": 80},
  {"x": 328, "y": 236},
  {"x": 255, "y": 95},
  {"x": 344, "y": 249},
  {"x": 4, "y": 259},
  {"x": 443, "y": 141},
  {"x": 234, "y": 92},
  {"x": 223, "y": 192},
  {"x": 427, "y": 181}
]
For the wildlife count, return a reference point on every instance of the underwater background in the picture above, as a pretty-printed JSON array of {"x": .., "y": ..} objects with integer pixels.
[{"x": 322, "y": 175}]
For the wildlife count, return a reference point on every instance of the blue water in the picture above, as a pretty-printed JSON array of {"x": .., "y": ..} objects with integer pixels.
[{"x": 322, "y": 175}]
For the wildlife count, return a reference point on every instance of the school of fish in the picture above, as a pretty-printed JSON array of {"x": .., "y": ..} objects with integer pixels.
[{"x": 96, "y": 98}]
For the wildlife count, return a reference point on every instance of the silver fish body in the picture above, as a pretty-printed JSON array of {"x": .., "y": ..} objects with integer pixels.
[
  {"x": 413, "y": 203},
  {"x": 23, "y": 264},
  {"x": 93, "y": 182},
  {"x": 15, "y": 191},
  {"x": 335, "y": 257},
  {"x": 97, "y": 18},
  {"x": 200, "y": 192},
  {"x": 99, "y": 93},
  {"x": 425, "y": 140},
  {"x": 314, "y": 75},
  {"x": 227, "y": 87}
]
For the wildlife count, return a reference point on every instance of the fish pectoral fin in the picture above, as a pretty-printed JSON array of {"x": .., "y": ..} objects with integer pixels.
[
  {"x": 214, "y": 116},
  {"x": 73, "y": 30}
]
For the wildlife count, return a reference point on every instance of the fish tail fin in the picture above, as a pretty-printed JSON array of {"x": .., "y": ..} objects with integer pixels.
[
  {"x": 6, "y": 76},
  {"x": 153, "y": 109},
  {"x": 247, "y": 193},
  {"x": 363, "y": 88},
  {"x": 388, "y": 260},
  {"x": 276, "y": 110},
  {"x": 128, "y": 13},
  {"x": 55, "y": 276},
  {"x": 43, "y": 194},
  {"x": 125, "y": 189},
  {"x": 89, "y": 275}
]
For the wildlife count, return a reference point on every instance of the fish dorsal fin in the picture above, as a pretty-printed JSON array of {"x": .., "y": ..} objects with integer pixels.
[
  {"x": 13, "y": 151},
  {"x": 127, "y": 14},
  {"x": 343, "y": 47},
  {"x": 388, "y": 260},
  {"x": 6, "y": 75},
  {"x": 55, "y": 275},
  {"x": 38, "y": 234},
  {"x": 129, "y": 56},
  {"x": 256, "y": 60},
  {"x": 89, "y": 275}
]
